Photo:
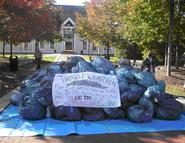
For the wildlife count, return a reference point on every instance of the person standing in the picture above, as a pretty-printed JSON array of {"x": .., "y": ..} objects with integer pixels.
[
  {"x": 38, "y": 58},
  {"x": 149, "y": 63}
]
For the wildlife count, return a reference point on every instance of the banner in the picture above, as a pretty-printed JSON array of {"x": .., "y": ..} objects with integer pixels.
[{"x": 86, "y": 89}]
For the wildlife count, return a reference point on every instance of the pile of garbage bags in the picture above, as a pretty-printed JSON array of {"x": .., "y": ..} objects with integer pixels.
[{"x": 142, "y": 96}]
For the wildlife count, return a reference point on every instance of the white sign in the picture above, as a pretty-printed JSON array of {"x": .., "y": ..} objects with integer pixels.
[{"x": 86, "y": 89}]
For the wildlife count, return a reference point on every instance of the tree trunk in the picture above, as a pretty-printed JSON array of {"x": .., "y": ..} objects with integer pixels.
[
  {"x": 108, "y": 53},
  {"x": 3, "y": 48},
  {"x": 170, "y": 36},
  {"x": 88, "y": 46},
  {"x": 177, "y": 57},
  {"x": 166, "y": 55},
  {"x": 134, "y": 55},
  {"x": 178, "y": 36},
  {"x": 36, "y": 46},
  {"x": 177, "y": 52},
  {"x": 11, "y": 49}
]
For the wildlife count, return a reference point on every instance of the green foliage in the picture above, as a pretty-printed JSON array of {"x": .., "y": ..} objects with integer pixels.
[
  {"x": 102, "y": 22},
  {"x": 144, "y": 23}
]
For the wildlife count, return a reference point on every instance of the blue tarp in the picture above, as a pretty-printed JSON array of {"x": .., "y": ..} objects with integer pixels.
[{"x": 12, "y": 124}]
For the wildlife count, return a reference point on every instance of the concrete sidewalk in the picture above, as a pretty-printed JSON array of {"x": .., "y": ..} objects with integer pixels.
[{"x": 156, "y": 137}]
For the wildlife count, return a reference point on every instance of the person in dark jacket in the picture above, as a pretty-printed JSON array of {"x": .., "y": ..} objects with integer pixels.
[{"x": 149, "y": 63}]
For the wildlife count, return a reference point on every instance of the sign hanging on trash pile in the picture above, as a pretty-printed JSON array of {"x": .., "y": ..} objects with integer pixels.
[{"x": 86, "y": 89}]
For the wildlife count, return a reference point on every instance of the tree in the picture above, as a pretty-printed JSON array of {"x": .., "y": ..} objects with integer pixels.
[
  {"x": 102, "y": 22},
  {"x": 28, "y": 20}
]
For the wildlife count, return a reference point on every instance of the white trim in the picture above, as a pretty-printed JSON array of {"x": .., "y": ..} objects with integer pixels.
[{"x": 68, "y": 20}]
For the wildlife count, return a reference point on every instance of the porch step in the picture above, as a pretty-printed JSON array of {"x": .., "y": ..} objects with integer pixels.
[{"x": 68, "y": 52}]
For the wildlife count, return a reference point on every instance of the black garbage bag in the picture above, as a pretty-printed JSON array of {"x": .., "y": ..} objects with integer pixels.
[
  {"x": 145, "y": 79},
  {"x": 139, "y": 90},
  {"x": 167, "y": 108},
  {"x": 67, "y": 113},
  {"x": 82, "y": 66},
  {"x": 124, "y": 63},
  {"x": 143, "y": 112},
  {"x": 129, "y": 98},
  {"x": 93, "y": 114},
  {"x": 71, "y": 62},
  {"x": 16, "y": 98},
  {"x": 114, "y": 113},
  {"x": 54, "y": 69},
  {"x": 155, "y": 90},
  {"x": 31, "y": 109},
  {"x": 102, "y": 65},
  {"x": 43, "y": 95}
]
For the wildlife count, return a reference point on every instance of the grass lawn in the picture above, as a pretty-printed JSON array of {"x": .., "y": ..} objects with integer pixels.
[
  {"x": 48, "y": 58},
  {"x": 175, "y": 90},
  {"x": 114, "y": 59}
]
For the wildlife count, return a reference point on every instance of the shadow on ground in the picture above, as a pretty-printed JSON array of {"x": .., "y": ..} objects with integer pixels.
[
  {"x": 166, "y": 137},
  {"x": 11, "y": 80}
]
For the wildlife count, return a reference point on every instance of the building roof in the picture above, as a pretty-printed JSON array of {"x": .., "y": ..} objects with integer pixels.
[{"x": 69, "y": 11}]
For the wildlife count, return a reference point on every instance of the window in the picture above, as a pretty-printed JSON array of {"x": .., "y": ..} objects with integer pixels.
[
  {"x": 69, "y": 45},
  {"x": 26, "y": 46},
  {"x": 84, "y": 45},
  {"x": 69, "y": 24},
  {"x": 51, "y": 44},
  {"x": 41, "y": 45},
  {"x": 94, "y": 47}
]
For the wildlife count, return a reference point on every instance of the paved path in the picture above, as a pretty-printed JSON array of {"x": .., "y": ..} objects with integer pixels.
[
  {"x": 156, "y": 137},
  {"x": 63, "y": 57}
]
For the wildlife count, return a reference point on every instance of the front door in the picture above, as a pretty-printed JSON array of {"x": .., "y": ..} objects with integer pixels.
[{"x": 69, "y": 46}]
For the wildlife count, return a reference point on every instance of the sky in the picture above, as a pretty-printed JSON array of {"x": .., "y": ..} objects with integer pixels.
[{"x": 70, "y": 2}]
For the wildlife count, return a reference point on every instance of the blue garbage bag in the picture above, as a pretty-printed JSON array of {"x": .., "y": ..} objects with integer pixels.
[
  {"x": 82, "y": 66},
  {"x": 16, "y": 98},
  {"x": 28, "y": 86},
  {"x": 139, "y": 90},
  {"x": 155, "y": 90},
  {"x": 142, "y": 112},
  {"x": 47, "y": 80},
  {"x": 71, "y": 62},
  {"x": 31, "y": 109},
  {"x": 162, "y": 86},
  {"x": 167, "y": 108},
  {"x": 67, "y": 113},
  {"x": 125, "y": 72},
  {"x": 54, "y": 69},
  {"x": 43, "y": 95},
  {"x": 102, "y": 65},
  {"x": 114, "y": 112},
  {"x": 37, "y": 76},
  {"x": 129, "y": 98},
  {"x": 123, "y": 84},
  {"x": 145, "y": 79},
  {"x": 93, "y": 114}
]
